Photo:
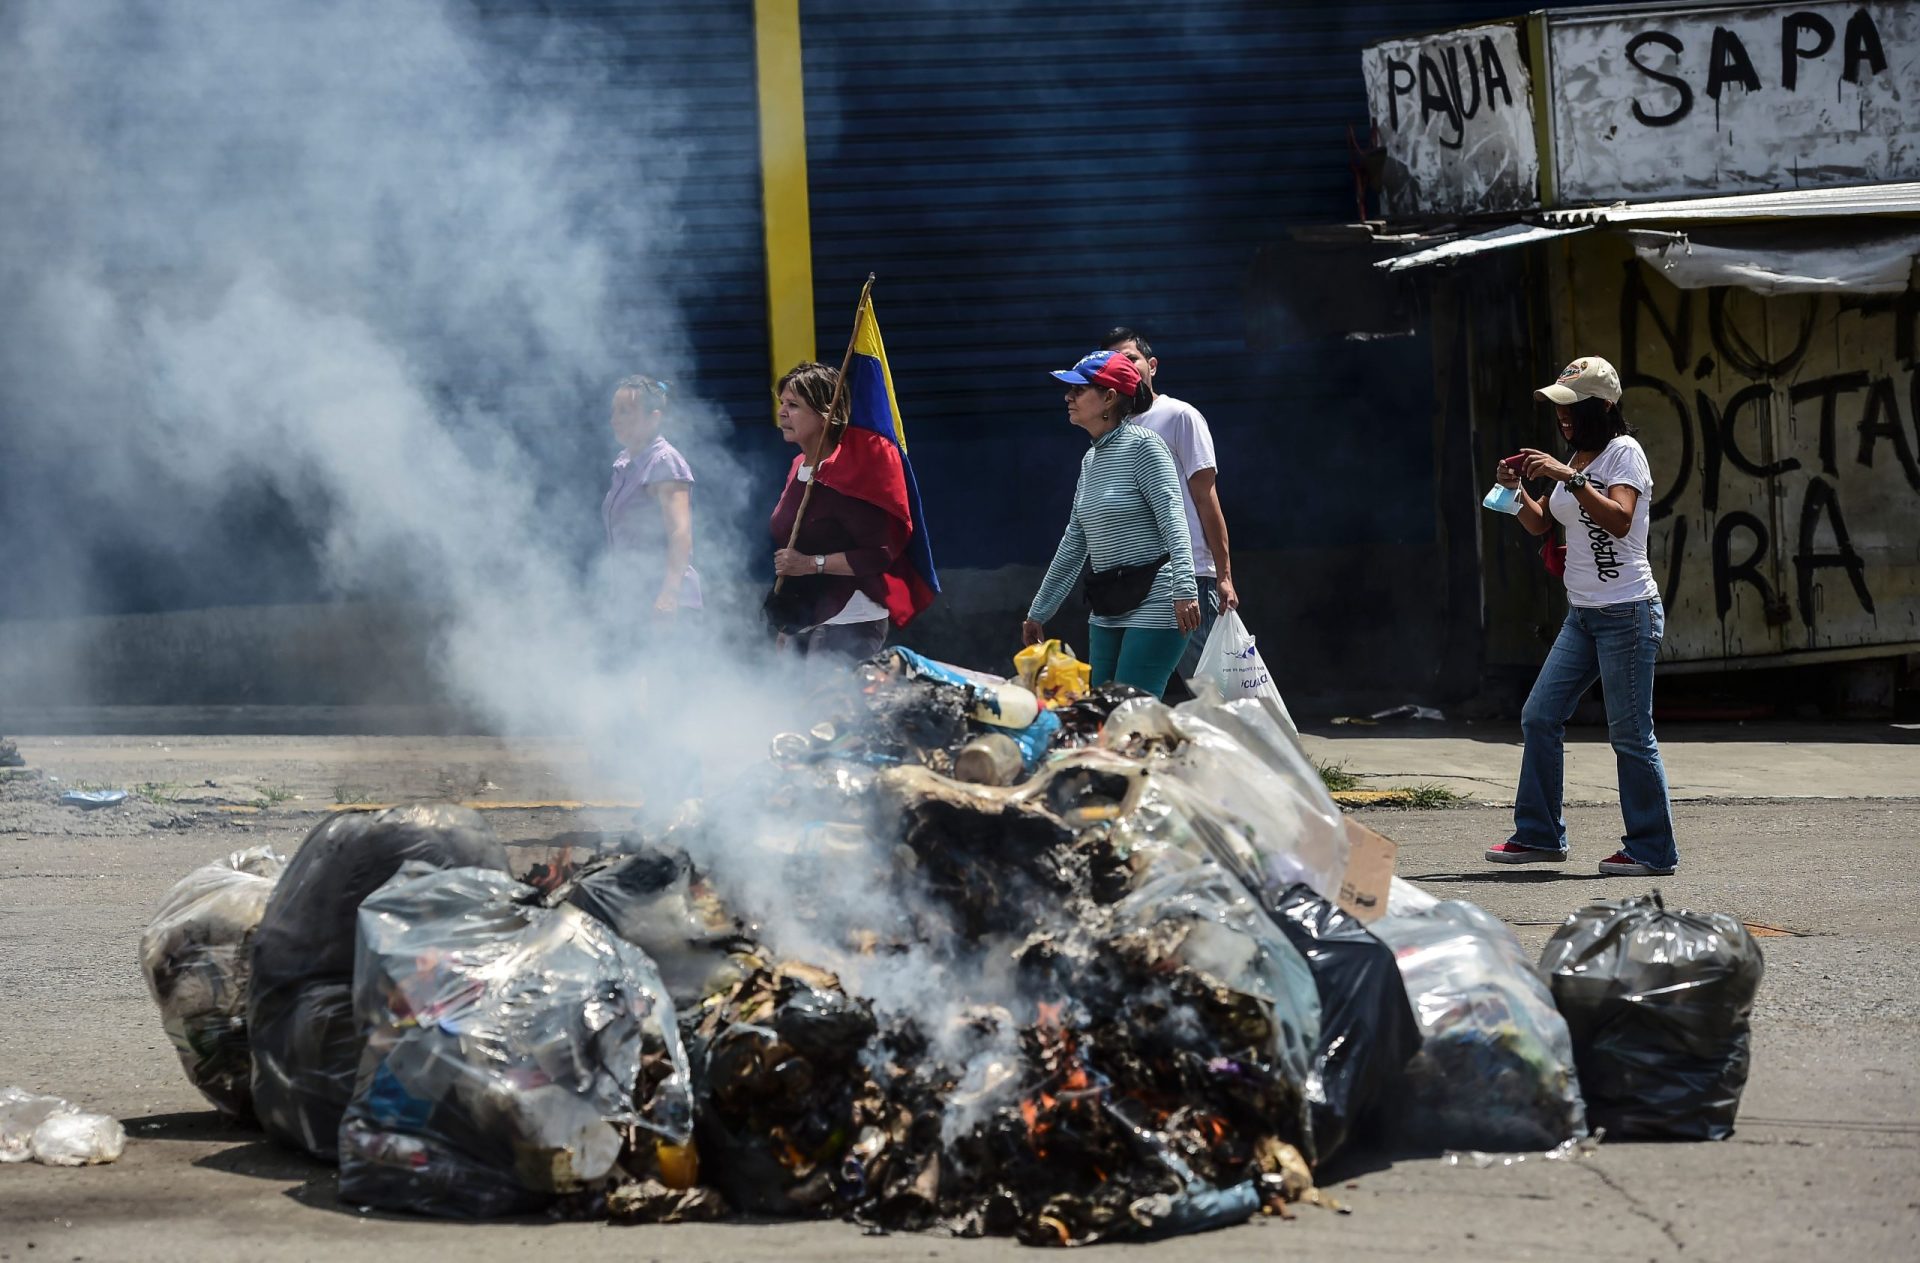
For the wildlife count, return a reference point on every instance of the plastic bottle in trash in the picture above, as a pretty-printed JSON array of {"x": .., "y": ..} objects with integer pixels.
[{"x": 1006, "y": 705}]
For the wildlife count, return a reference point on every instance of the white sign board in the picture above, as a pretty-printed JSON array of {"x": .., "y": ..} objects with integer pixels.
[
  {"x": 1733, "y": 99},
  {"x": 1454, "y": 113}
]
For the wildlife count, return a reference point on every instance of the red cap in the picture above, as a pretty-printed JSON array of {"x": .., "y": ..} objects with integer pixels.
[{"x": 1104, "y": 368}]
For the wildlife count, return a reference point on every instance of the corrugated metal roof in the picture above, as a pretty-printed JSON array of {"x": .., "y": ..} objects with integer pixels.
[
  {"x": 1466, "y": 247},
  {"x": 1871, "y": 199}
]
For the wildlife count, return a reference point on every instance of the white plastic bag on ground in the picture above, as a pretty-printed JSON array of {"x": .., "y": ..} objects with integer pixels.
[
  {"x": 78, "y": 1140},
  {"x": 21, "y": 1113},
  {"x": 1231, "y": 668},
  {"x": 52, "y": 1130}
]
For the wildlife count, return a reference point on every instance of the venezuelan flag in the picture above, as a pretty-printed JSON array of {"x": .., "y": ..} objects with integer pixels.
[{"x": 870, "y": 463}]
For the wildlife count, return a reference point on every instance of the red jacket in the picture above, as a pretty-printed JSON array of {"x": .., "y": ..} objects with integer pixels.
[{"x": 871, "y": 538}]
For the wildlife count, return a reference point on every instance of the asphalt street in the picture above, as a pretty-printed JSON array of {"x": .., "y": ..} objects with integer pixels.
[{"x": 1826, "y": 1161}]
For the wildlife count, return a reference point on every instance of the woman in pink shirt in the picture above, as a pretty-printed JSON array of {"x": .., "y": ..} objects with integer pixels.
[
  {"x": 648, "y": 512},
  {"x": 648, "y": 515}
]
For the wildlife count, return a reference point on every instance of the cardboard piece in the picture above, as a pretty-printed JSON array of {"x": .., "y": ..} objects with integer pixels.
[{"x": 1365, "y": 885}]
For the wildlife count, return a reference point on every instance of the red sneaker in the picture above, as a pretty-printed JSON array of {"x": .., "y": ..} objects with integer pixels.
[
  {"x": 1514, "y": 853},
  {"x": 1620, "y": 864}
]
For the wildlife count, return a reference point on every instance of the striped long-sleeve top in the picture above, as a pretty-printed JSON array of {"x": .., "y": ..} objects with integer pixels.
[{"x": 1127, "y": 511}]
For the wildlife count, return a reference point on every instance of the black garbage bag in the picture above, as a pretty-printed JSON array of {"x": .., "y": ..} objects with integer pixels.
[
  {"x": 511, "y": 1050},
  {"x": 305, "y": 1042},
  {"x": 1367, "y": 1029},
  {"x": 1082, "y": 719},
  {"x": 1658, "y": 1003},
  {"x": 656, "y": 900}
]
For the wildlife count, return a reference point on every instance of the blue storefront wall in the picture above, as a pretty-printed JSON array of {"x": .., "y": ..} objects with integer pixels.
[
  {"x": 682, "y": 72},
  {"x": 1022, "y": 176},
  {"x": 661, "y": 95}
]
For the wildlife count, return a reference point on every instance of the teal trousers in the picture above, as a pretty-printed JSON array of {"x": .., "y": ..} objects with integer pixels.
[{"x": 1141, "y": 656}]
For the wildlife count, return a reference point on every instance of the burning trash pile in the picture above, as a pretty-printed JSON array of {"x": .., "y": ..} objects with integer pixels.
[{"x": 1134, "y": 976}]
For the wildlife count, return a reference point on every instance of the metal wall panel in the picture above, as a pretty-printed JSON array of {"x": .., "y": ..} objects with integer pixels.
[
  {"x": 1682, "y": 101},
  {"x": 1784, "y": 435},
  {"x": 683, "y": 72},
  {"x": 1455, "y": 116},
  {"x": 665, "y": 93},
  {"x": 1023, "y": 175}
]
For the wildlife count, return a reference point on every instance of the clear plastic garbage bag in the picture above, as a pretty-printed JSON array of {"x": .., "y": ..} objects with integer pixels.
[
  {"x": 1276, "y": 824},
  {"x": 1495, "y": 1070},
  {"x": 21, "y": 1113},
  {"x": 509, "y": 1046},
  {"x": 656, "y": 900},
  {"x": 1659, "y": 1004},
  {"x": 1204, "y": 920},
  {"x": 196, "y": 954},
  {"x": 300, "y": 1024},
  {"x": 78, "y": 1140}
]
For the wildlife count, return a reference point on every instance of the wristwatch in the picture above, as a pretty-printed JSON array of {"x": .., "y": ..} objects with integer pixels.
[
  {"x": 819, "y": 563},
  {"x": 1576, "y": 482}
]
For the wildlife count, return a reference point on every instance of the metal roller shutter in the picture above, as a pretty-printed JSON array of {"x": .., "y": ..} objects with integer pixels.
[
  {"x": 694, "y": 60},
  {"x": 1023, "y": 175}
]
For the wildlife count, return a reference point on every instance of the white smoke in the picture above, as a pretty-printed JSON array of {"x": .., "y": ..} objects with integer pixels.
[
  {"x": 360, "y": 254},
  {"x": 356, "y": 253}
]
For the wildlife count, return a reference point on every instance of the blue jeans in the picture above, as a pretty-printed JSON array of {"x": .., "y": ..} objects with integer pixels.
[
  {"x": 1209, "y": 614},
  {"x": 1617, "y": 645}
]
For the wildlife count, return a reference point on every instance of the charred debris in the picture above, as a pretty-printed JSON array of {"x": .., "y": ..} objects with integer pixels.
[{"x": 1116, "y": 999}]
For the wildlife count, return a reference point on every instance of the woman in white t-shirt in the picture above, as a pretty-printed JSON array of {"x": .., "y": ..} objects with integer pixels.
[{"x": 1601, "y": 496}]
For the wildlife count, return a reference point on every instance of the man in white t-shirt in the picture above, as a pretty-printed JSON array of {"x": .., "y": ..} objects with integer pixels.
[{"x": 1186, "y": 434}]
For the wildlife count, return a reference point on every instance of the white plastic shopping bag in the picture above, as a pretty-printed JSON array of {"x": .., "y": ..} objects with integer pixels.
[{"x": 1231, "y": 668}]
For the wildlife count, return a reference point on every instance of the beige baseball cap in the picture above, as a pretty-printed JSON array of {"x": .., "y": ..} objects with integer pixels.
[{"x": 1588, "y": 377}]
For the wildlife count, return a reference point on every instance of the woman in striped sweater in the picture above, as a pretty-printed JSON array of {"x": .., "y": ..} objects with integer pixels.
[{"x": 1128, "y": 530}]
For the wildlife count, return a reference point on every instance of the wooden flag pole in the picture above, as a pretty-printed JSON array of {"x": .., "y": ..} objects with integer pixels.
[{"x": 836, "y": 422}]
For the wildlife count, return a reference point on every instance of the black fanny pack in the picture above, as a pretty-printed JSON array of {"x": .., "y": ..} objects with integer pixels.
[{"x": 1123, "y": 588}]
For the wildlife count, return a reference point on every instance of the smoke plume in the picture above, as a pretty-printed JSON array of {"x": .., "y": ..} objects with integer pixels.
[
  {"x": 371, "y": 264},
  {"x": 361, "y": 258}
]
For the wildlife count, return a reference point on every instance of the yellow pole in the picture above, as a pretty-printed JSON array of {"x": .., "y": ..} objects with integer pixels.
[{"x": 783, "y": 183}]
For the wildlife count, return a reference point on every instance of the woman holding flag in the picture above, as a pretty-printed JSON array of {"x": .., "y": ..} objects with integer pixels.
[
  {"x": 850, "y": 542},
  {"x": 834, "y": 569}
]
